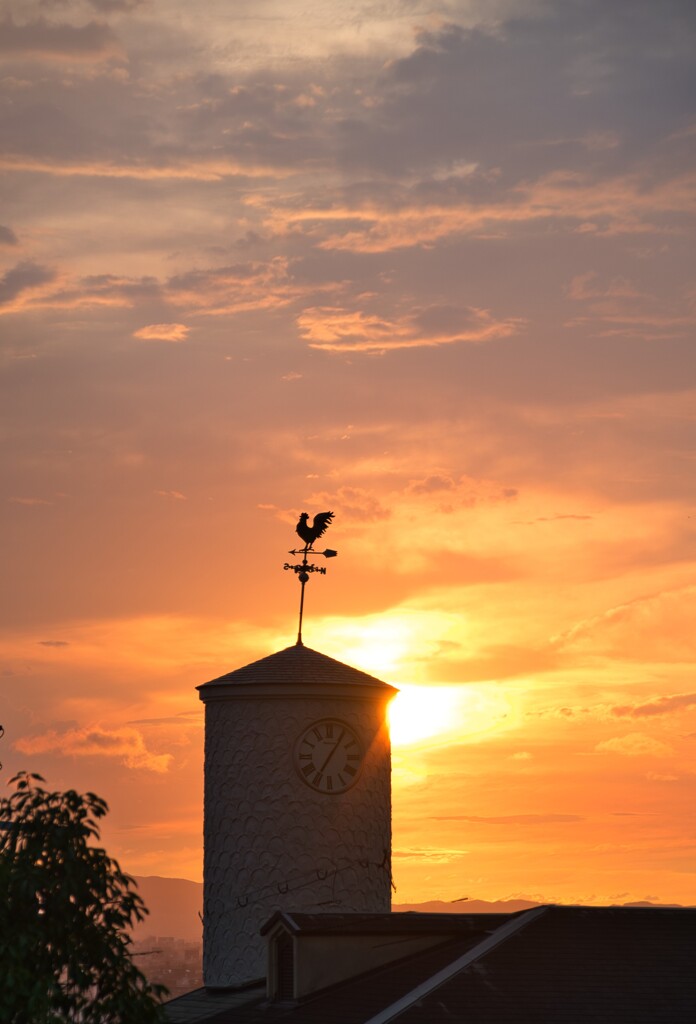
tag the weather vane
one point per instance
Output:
(302, 570)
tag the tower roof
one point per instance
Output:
(296, 666)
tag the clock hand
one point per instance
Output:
(332, 751)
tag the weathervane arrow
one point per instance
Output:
(305, 568)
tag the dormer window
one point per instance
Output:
(283, 968)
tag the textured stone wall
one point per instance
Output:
(271, 842)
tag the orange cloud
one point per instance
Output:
(619, 205)
(654, 628)
(355, 504)
(635, 744)
(510, 819)
(29, 501)
(124, 743)
(431, 854)
(659, 706)
(235, 288)
(336, 329)
(29, 286)
(196, 169)
(162, 332)
(213, 291)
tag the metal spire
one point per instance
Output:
(304, 568)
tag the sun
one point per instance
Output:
(419, 714)
(396, 645)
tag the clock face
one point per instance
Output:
(329, 756)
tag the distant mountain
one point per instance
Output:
(466, 907)
(175, 905)
(646, 903)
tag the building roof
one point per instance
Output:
(573, 964)
(293, 666)
(549, 965)
(409, 922)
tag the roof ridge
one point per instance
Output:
(463, 961)
(297, 663)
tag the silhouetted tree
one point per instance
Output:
(65, 912)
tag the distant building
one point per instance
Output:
(169, 961)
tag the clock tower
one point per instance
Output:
(297, 806)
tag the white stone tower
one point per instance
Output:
(297, 801)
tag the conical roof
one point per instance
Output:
(295, 666)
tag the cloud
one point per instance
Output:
(216, 291)
(235, 288)
(570, 200)
(29, 501)
(585, 286)
(115, 5)
(94, 290)
(434, 484)
(510, 819)
(658, 706)
(635, 744)
(53, 643)
(194, 718)
(7, 236)
(536, 83)
(653, 628)
(44, 39)
(463, 492)
(621, 307)
(501, 661)
(338, 329)
(168, 168)
(431, 854)
(124, 743)
(551, 519)
(355, 504)
(23, 277)
(177, 495)
(162, 332)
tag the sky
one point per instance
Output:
(428, 265)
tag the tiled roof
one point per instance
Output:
(298, 665)
(401, 923)
(556, 965)
(618, 965)
(353, 1002)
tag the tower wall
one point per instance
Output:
(271, 841)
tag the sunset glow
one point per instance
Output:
(429, 266)
(419, 714)
(444, 714)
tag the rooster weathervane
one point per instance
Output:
(307, 533)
